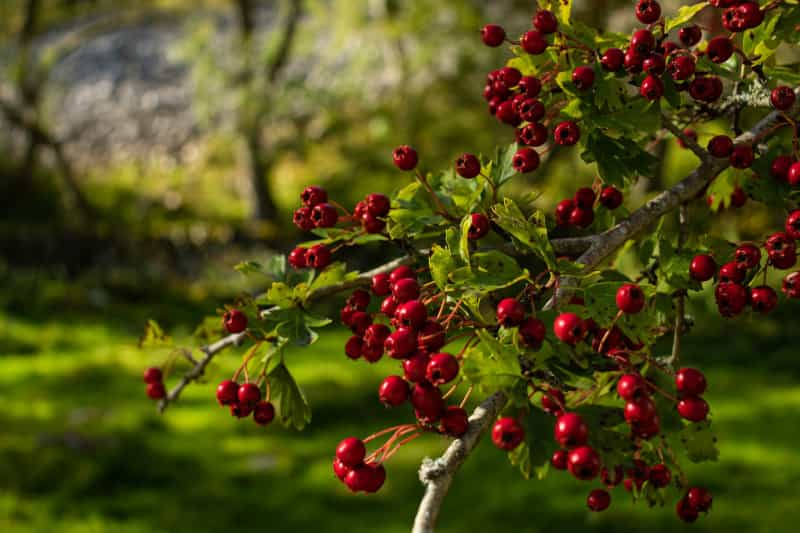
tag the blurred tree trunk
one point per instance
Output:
(261, 156)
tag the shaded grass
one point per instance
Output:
(83, 450)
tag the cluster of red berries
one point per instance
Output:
(732, 294)
(350, 467)
(786, 169)
(316, 212)
(245, 400)
(154, 379)
(578, 211)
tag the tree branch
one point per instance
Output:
(281, 57)
(437, 474)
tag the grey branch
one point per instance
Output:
(437, 474)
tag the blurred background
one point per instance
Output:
(146, 147)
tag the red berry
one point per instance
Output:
(793, 175)
(608, 481)
(509, 76)
(359, 300)
(534, 134)
(720, 146)
(611, 198)
(598, 500)
(430, 336)
(702, 268)
(783, 261)
(545, 21)
(302, 219)
(763, 299)
(681, 67)
(371, 223)
(569, 328)
(648, 11)
(559, 459)
(401, 343)
(654, 64)
(371, 353)
(351, 452)
(719, 49)
(792, 225)
(584, 197)
(643, 42)
(249, 394)
(612, 59)
(564, 211)
(479, 227)
(552, 400)
(567, 133)
(525, 160)
(378, 204)
(731, 272)
(153, 375)
(668, 47)
(359, 322)
(685, 511)
(263, 413)
(690, 381)
(791, 285)
(402, 272)
(581, 217)
(531, 110)
(468, 166)
(393, 391)
(633, 61)
(747, 256)
(532, 332)
(314, 195)
(660, 476)
(693, 408)
(531, 86)
(507, 433)
(631, 386)
(340, 469)
(156, 390)
(415, 367)
(297, 258)
(782, 98)
(493, 35)
(738, 198)
(780, 168)
(742, 156)
(428, 402)
(405, 289)
(357, 479)
(454, 421)
(731, 298)
(533, 42)
(376, 334)
(506, 113)
(241, 410)
(705, 88)
(699, 498)
(375, 474)
(570, 430)
(381, 285)
(584, 463)
(510, 312)
(630, 299)
(583, 77)
(690, 35)
(389, 306)
(690, 134)
(227, 392)
(234, 321)
(442, 368)
(353, 347)
(318, 256)
(411, 314)
(641, 410)
(780, 243)
(405, 157)
(324, 215)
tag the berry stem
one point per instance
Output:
(608, 331)
(442, 210)
(467, 394)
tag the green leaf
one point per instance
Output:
(463, 241)
(501, 169)
(600, 299)
(531, 231)
(491, 271)
(676, 270)
(533, 454)
(491, 365)
(155, 337)
(250, 267)
(293, 408)
(684, 15)
(279, 294)
(721, 189)
(332, 275)
(441, 263)
(617, 159)
(700, 442)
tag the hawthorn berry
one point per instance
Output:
(633, 61)
(567, 133)
(376, 334)
(324, 215)
(389, 306)
(378, 204)
(531, 86)
(690, 134)
(654, 64)
(792, 224)
(552, 402)
(690, 35)
(731, 298)
(479, 226)
(405, 289)
(564, 211)
(630, 299)
(249, 394)
(359, 300)
(720, 146)
(611, 198)
(359, 322)
(693, 408)
(742, 156)
(690, 381)
(685, 511)
(666, 48)
(493, 35)
(780, 243)
(612, 59)
(532, 332)
(156, 390)
(598, 500)
(234, 321)
(357, 478)
(510, 312)
(611, 482)
(302, 219)
(584, 197)
(371, 353)
(640, 410)
(660, 476)
(153, 375)
(747, 256)
(351, 452)
(263, 413)
(375, 477)
(559, 459)
(340, 469)
(731, 272)
(468, 166)
(699, 498)
(584, 463)
(455, 421)
(652, 88)
(416, 366)
(702, 268)
(240, 410)
(581, 217)
(507, 114)
(545, 21)
(380, 285)
(738, 198)
(428, 402)
(393, 391)
(631, 386)
(705, 88)
(442, 368)
(791, 285)
(525, 160)
(353, 347)
(533, 42)
(431, 336)
(507, 433)
(509, 76)
(681, 67)
(583, 77)
(569, 328)
(227, 392)
(297, 258)
(531, 110)
(411, 314)
(782, 98)
(648, 11)
(402, 272)
(400, 343)
(719, 49)
(643, 42)
(570, 430)
(534, 134)
(405, 157)
(313, 196)
(763, 299)
(371, 223)
(783, 261)
(318, 256)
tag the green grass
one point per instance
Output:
(83, 450)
